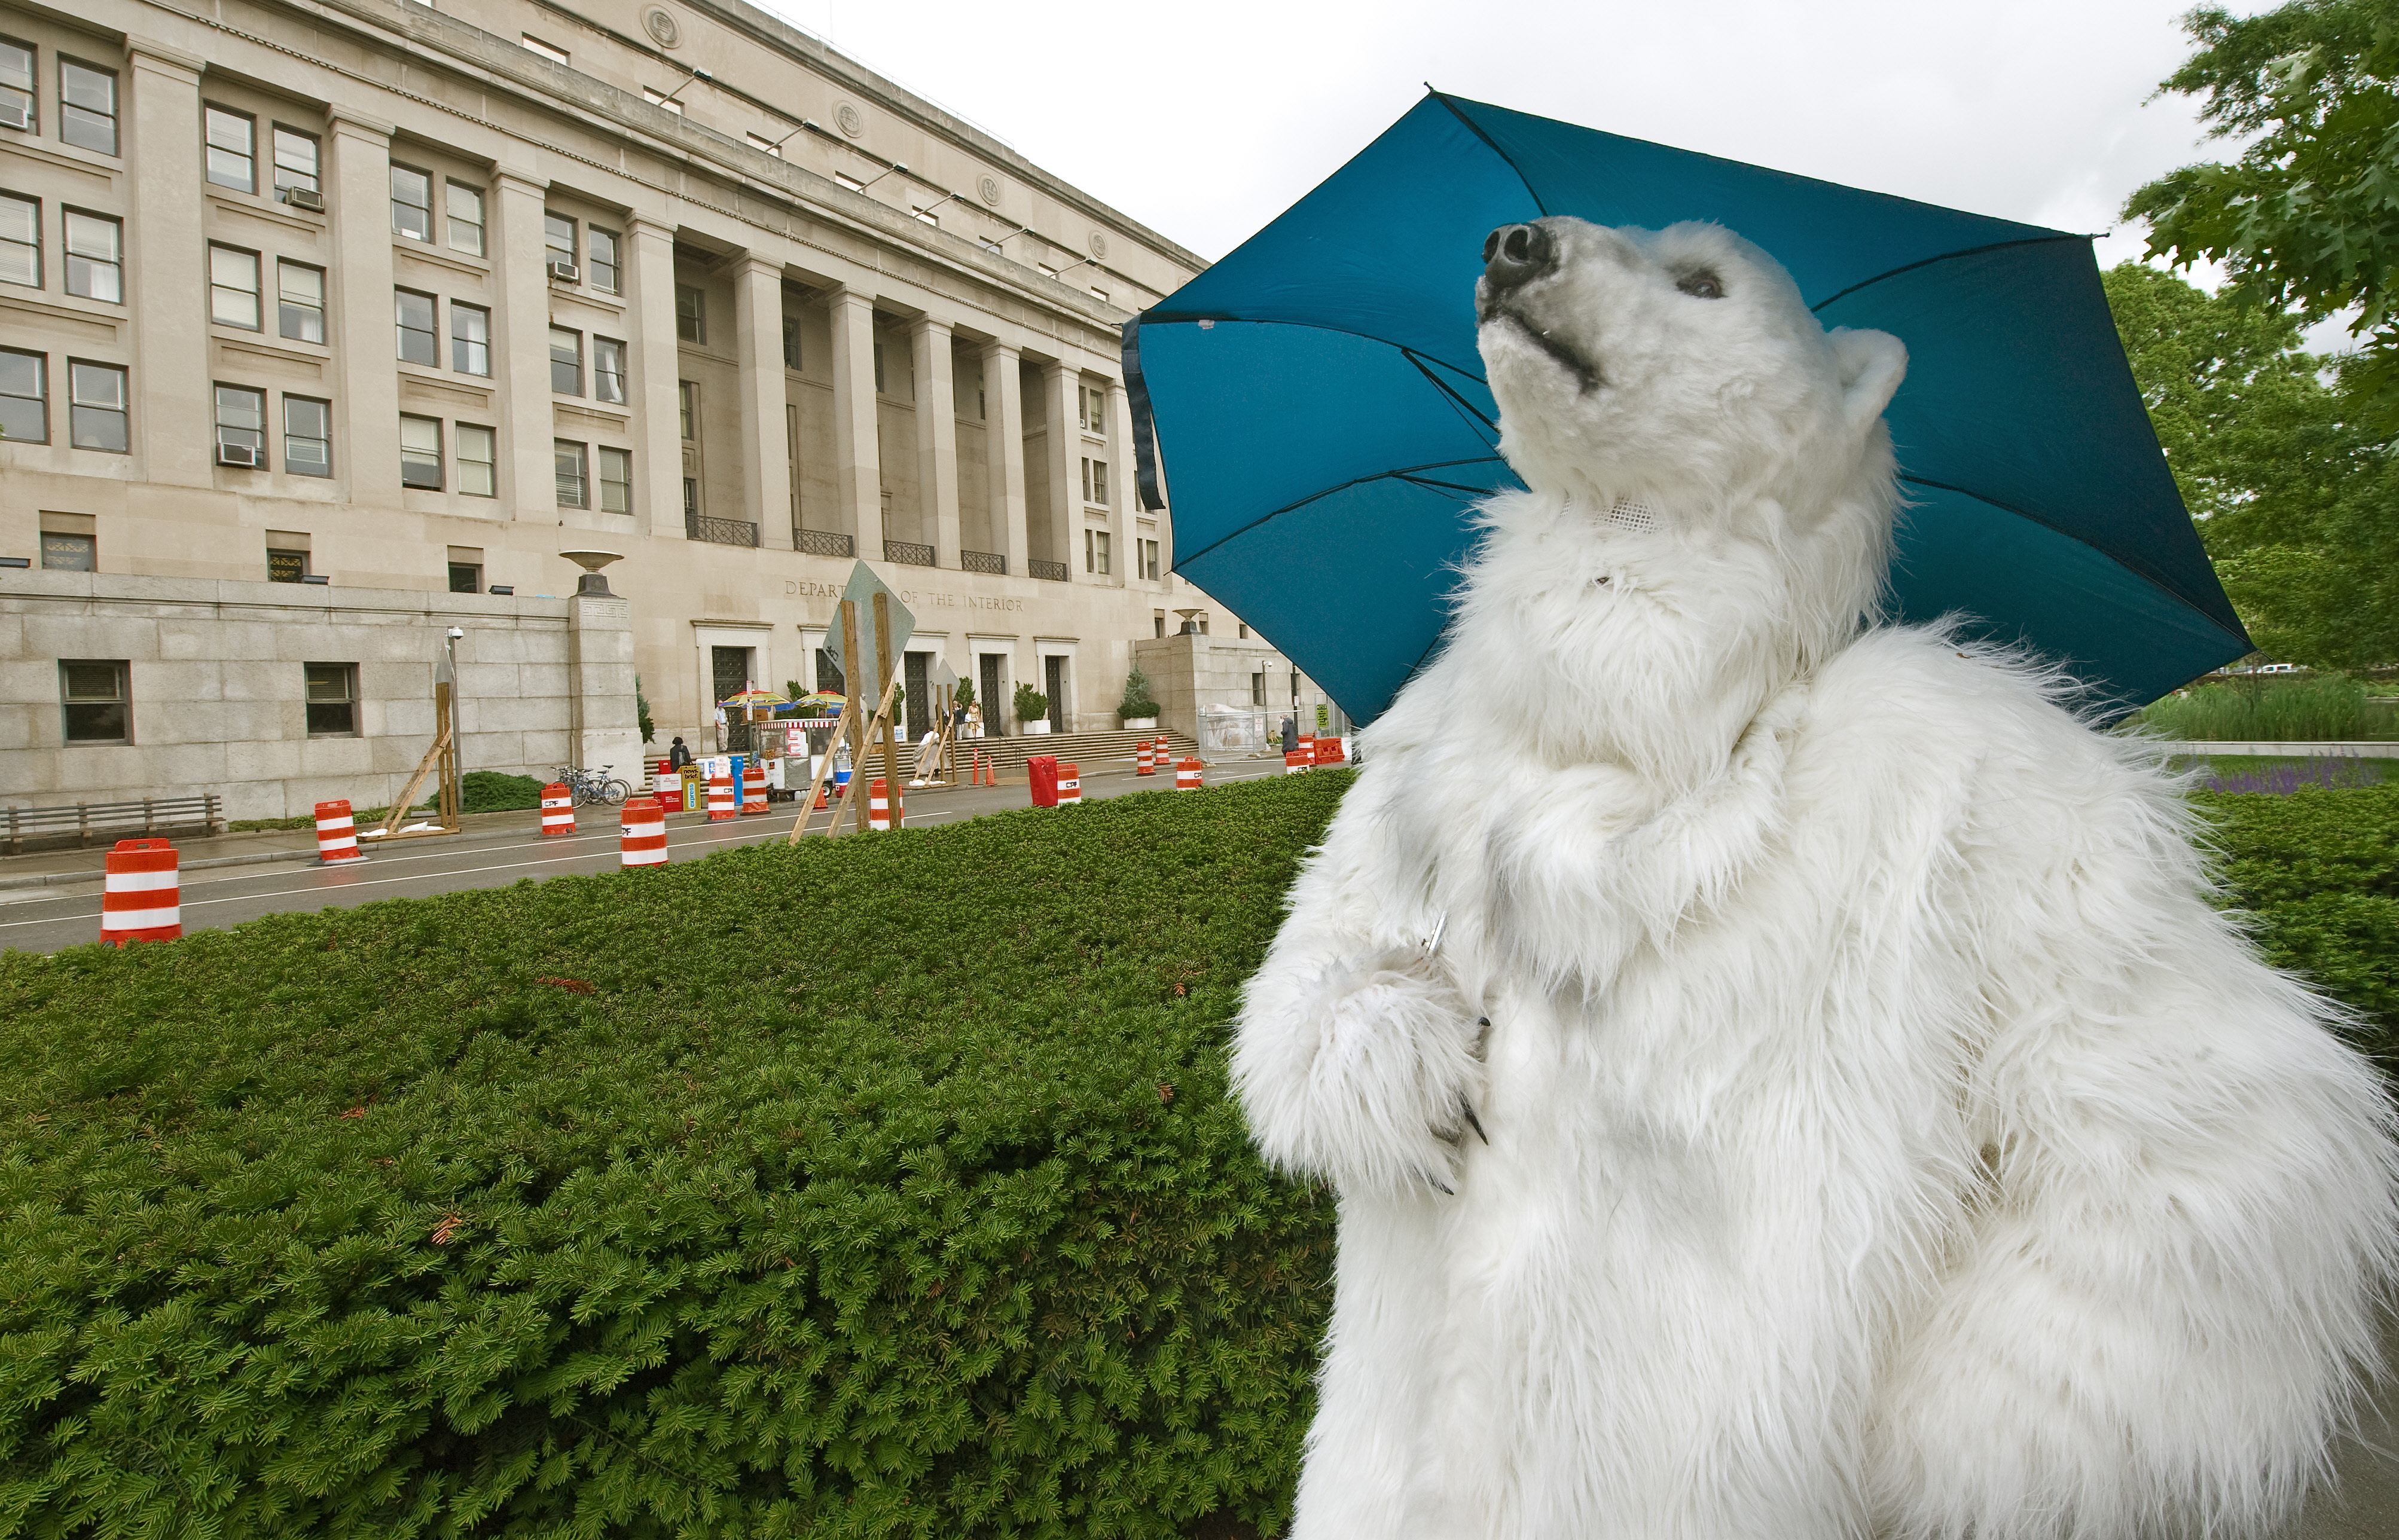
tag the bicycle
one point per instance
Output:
(595, 786)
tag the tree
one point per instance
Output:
(2308, 218)
(2295, 499)
(1137, 703)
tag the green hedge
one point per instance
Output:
(879, 1188)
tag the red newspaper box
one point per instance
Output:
(1042, 770)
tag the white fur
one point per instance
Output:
(1886, 1137)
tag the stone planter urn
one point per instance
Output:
(1037, 726)
(1140, 724)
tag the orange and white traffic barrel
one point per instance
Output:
(720, 799)
(143, 901)
(644, 828)
(1145, 763)
(1187, 774)
(753, 790)
(882, 810)
(337, 834)
(557, 810)
(1070, 785)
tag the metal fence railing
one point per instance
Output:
(1055, 571)
(982, 562)
(907, 553)
(822, 543)
(720, 532)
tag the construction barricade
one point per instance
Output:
(557, 811)
(884, 808)
(753, 790)
(1144, 762)
(1295, 761)
(1332, 751)
(1042, 775)
(142, 899)
(337, 834)
(645, 831)
(1187, 774)
(720, 806)
(1070, 785)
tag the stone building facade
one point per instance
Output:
(360, 313)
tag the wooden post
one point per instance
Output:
(882, 674)
(445, 703)
(851, 667)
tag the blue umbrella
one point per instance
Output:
(1318, 404)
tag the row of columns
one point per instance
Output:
(168, 292)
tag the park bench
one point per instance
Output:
(84, 820)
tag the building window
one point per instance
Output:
(24, 398)
(95, 255)
(477, 459)
(607, 273)
(1095, 551)
(300, 301)
(616, 481)
(466, 210)
(573, 489)
(233, 150)
(690, 498)
(17, 86)
(20, 241)
(96, 407)
(792, 342)
(88, 106)
(1258, 689)
(465, 577)
(307, 435)
(333, 699)
(297, 162)
(470, 339)
(411, 204)
(691, 316)
(241, 426)
(1101, 295)
(1144, 558)
(96, 699)
(1095, 480)
(1245, 632)
(607, 369)
(286, 566)
(536, 45)
(233, 288)
(657, 98)
(878, 366)
(65, 552)
(420, 452)
(566, 361)
(687, 407)
(558, 239)
(418, 342)
(766, 146)
(1094, 410)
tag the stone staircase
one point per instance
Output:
(1093, 753)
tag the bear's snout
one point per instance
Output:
(1514, 255)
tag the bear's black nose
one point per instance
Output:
(1516, 254)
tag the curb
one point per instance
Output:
(64, 879)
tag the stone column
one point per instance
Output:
(1004, 450)
(1123, 500)
(600, 685)
(858, 465)
(359, 323)
(657, 365)
(528, 470)
(165, 278)
(1066, 439)
(937, 439)
(765, 461)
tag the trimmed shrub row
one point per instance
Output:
(885, 1187)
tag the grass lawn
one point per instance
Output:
(881, 1187)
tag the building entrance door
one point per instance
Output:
(919, 685)
(1053, 673)
(730, 675)
(995, 709)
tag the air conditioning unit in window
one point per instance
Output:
(238, 455)
(566, 272)
(305, 197)
(16, 114)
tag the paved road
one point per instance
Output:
(504, 850)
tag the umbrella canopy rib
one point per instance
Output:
(1947, 256)
(1409, 474)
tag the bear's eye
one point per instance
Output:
(1702, 286)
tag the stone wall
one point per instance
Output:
(218, 689)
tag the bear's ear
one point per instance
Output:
(1872, 364)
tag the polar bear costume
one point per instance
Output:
(1782, 1074)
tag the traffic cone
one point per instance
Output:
(557, 811)
(141, 897)
(1186, 775)
(644, 833)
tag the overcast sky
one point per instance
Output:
(1206, 121)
